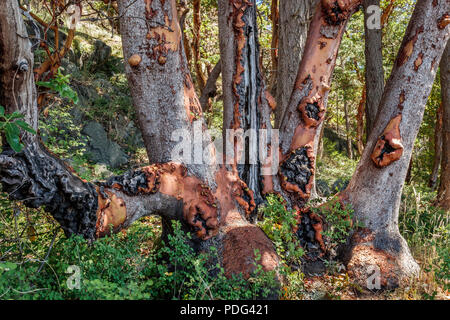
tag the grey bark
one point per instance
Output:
(295, 17)
(210, 88)
(374, 74)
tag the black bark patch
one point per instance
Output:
(297, 168)
(312, 111)
(336, 16)
(39, 180)
(131, 183)
(306, 235)
(387, 148)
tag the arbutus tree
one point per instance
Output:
(216, 196)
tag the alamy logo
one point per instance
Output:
(74, 281)
(373, 17)
(245, 147)
(74, 16)
(374, 279)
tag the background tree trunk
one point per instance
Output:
(294, 20)
(374, 72)
(275, 17)
(347, 131)
(438, 135)
(444, 187)
(201, 78)
(376, 187)
(210, 89)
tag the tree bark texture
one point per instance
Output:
(374, 72)
(294, 20)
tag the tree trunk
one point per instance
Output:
(376, 187)
(347, 131)
(275, 17)
(201, 78)
(444, 187)
(438, 135)
(304, 115)
(360, 122)
(294, 19)
(374, 73)
(210, 89)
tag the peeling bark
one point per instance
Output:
(306, 110)
(375, 192)
(389, 147)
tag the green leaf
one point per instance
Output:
(25, 126)
(15, 115)
(2, 111)
(13, 140)
(6, 266)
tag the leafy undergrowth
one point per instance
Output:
(38, 262)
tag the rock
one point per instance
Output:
(322, 188)
(87, 94)
(339, 140)
(102, 171)
(133, 136)
(101, 149)
(339, 185)
(99, 57)
(313, 268)
(69, 67)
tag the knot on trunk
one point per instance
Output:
(389, 147)
(337, 11)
